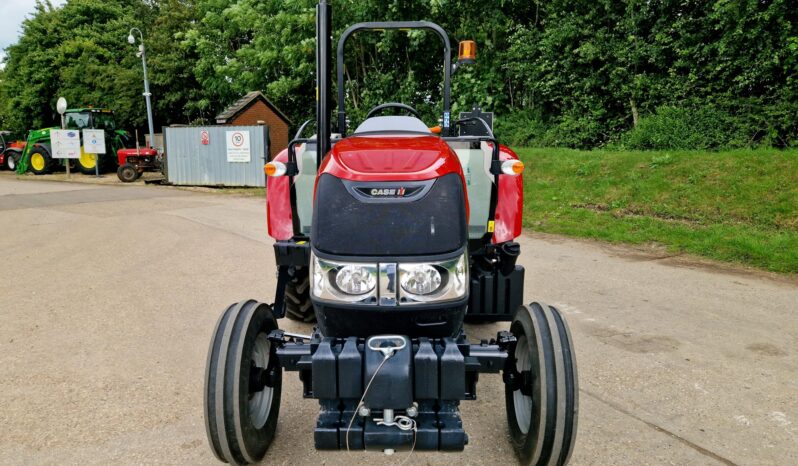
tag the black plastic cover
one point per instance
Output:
(434, 223)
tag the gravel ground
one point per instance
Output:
(110, 294)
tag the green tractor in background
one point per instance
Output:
(37, 155)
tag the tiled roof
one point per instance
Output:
(243, 103)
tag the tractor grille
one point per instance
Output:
(433, 223)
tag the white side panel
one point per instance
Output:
(304, 182)
(478, 184)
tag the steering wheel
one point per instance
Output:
(381, 107)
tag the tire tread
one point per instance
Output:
(297, 297)
(223, 376)
(553, 363)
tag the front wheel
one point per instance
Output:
(541, 387)
(127, 173)
(40, 161)
(243, 383)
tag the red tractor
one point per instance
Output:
(10, 151)
(391, 236)
(134, 162)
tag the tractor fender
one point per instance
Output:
(278, 203)
(510, 203)
(46, 145)
(123, 154)
(12, 151)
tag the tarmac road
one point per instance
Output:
(109, 295)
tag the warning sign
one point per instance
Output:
(238, 146)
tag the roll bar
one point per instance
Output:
(381, 26)
(323, 88)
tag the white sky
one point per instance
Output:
(13, 12)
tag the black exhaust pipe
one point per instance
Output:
(508, 255)
(323, 78)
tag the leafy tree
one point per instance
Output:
(245, 45)
(177, 93)
(562, 72)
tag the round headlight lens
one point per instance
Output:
(355, 280)
(421, 279)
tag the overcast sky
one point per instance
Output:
(12, 13)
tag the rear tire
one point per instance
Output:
(10, 161)
(542, 422)
(240, 410)
(297, 296)
(86, 162)
(127, 173)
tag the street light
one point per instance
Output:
(131, 39)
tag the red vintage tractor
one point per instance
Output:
(134, 162)
(391, 236)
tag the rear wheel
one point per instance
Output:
(10, 160)
(86, 163)
(243, 383)
(127, 173)
(40, 161)
(541, 389)
(297, 296)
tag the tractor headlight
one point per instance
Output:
(414, 283)
(420, 279)
(355, 280)
(433, 281)
(339, 281)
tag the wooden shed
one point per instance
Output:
(255, 107)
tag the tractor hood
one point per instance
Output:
(409, 189)
(391, 158)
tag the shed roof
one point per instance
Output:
(245, 102)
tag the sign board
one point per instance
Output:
(205, 137)
(94, 141)
(66, 143)
(238, 146)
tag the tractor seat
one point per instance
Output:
(392, 123)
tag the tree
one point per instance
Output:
(78, 52)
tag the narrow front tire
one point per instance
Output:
(541, 387)
(243, 383)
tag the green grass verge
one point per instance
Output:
(736, 206)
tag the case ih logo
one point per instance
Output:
(389, 192)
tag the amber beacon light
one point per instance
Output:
(467, 52)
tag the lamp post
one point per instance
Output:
(132, 41)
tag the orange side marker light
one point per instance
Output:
(274, 169)
(512, 167)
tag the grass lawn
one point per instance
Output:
(736, 206)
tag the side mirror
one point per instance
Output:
(466, 55)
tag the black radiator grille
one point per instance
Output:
(432, 224)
